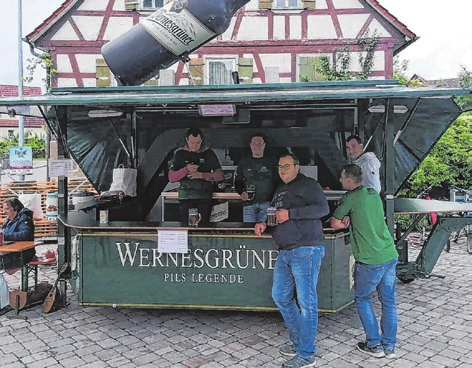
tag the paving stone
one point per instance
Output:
(435, 331)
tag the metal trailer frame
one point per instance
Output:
(402, 125)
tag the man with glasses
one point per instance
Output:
(255, 181)
(300, 204)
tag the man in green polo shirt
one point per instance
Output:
(361, 210)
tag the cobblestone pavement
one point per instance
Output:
(435, 331)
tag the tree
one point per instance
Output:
(37, 144)
(339, 71)
(45, 62)
(399, 70)
(465, 77)
(449, 162)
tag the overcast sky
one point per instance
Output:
(445, 42)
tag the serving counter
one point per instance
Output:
(224, 266)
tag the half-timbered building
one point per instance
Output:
(267, 41)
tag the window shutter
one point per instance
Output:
(131, 4)
(103, 73)
(245, 70)
(151, 82)
(265, 4)
(196, 72)
(307, 69)
(309, 4)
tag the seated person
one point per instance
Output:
(18, 226)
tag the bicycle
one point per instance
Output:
(458, 194)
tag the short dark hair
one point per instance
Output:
(257, 135)
(296, 161)
(356, 137)
(194, 132)
(354, 172)
(14, 203)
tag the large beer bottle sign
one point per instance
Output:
(175, 28)
(166, 36)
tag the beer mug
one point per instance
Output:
(271, 218)
(193, 217)
(251, 191)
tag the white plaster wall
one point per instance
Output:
(347, 4)
(89, 26)
(320, 27)
(117, 26)
(228, 33)
(379, 61)
(87, 62)
(321, 4)
(119, 5)
(65, 33)
(283, 61)
(279, 27)
(295, 27)
(252, 5)
(375, 26)
(253, 28)
(89, 82)
(351, 24)
(96, 4)
(63, 64)
(66, 82)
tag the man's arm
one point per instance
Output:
(340, 224)
(317, 205)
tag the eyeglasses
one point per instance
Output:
(286, 166)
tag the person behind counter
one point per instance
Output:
(300, 204)
(255, 172)
(367, 161)
(196, 167)
(373, 248)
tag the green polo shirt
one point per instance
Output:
(371, 240)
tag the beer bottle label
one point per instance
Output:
(176, 29)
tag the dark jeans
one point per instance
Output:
(17, 259)
(204, 209)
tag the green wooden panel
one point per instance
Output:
(309, 4)
(131, 4)
(103, 73)
(220, 272)
(245, 70)
(307, 69)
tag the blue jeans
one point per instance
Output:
(297, 271)
(256, 212)
(382, 277)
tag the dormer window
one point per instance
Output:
(152, 4)
(288, 4)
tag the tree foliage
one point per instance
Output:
(465, 77)
(38, 145)
(44, 61)
(339, 71)
(449, 162)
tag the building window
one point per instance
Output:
(288, 4)
(152, 4)
(219, 71)
(11, 133)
